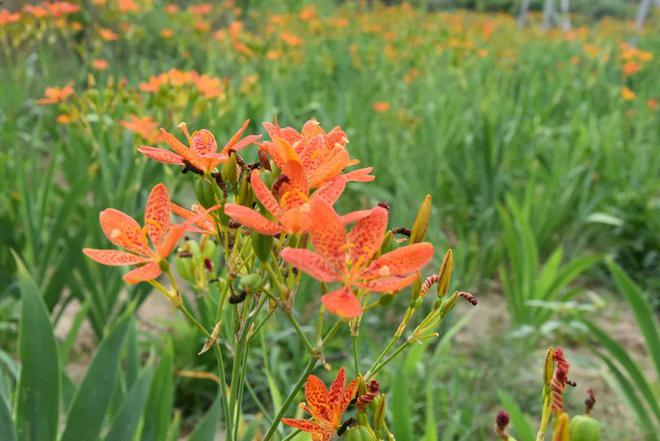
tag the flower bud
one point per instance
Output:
(359, 433)
(205, 193)
(245, 193)
(262, 245)
(250, 283)
(548, 367)
(445, 273)
(449, 304)
(229, 172)
(422, 221)
(561, 428)
(379, 413)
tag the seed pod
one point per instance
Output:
(262, 245)
(422, 221)
(250, 283)
(205, 193)
(584, 428)
(444, 275)
(185, 268)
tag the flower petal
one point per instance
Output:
(336, 162)
(176, 145)
(264, 195)
(331, 190)
(388, 284)
(203, 142)
(122, 230)
(337, 387)
(328, 234)
(114, 257)
(359, 175)
(160, 155)
(310, 262)
(252, 219)
(142, 274)
(316, 396)
(401, 261)
(366, 237)
(157, 214)
(343, 303)
(354, 216)
(304, 425)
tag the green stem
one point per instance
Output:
(374, 369)
(301, 333)
(223, 389)
(355, 355)
(195, 322)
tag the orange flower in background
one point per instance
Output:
(627, 94)
(347, 258)
(36, 11)
(53, 95)
(323, 155)
(171, 9)
(128, 6)
(652, 103)
(292, 209)
(326, 406)
(167, 33)
(100, 64)
(208, 86)
(146, 127)
(108, 34)
(381, 106)
(123, 231)
(630, 68)
(63, 119)
(290, 39)
(7, 17)
(202, 153)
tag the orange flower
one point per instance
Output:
(123, 231)
(627, 94)
(63, 119)
(146, 127)
(630, 68)
(652, 103)
(322, 155)
(292, 210)
(100, 64)
(128, 6)
(108, 35)
(290, 39)
(7, 17)
(347, 258)
(171, 9)
(208, 86)
(54, 95)
(381, 106)
(167, 33)
(326, 407)
(202, 153)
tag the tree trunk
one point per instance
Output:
(522, 14)
(565, 17)
(549, 18)
(642, 12)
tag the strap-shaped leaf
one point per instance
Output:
(205, 430)
(37, 403)
(126, 423)
(92, 399)
(6, 424)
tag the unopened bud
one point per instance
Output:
(421, 225)
(229, 171)
(445, 273)
(449, 304)
(548, 367)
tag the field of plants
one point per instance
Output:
(296, 220)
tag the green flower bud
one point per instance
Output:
(229, 171)
(359, 433)
(445, 273)
(422, 221)
(262, 245)
(379, 412)
(250, 283)
(205, 192)
(449, 304)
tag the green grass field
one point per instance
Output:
(540, 150)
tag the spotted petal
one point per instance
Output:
(305, 425)
(122, 230)
(367, 236)
(342, 302)
(149, 271)
(310, 262)
(114, 257)
(252, 219)
(157, 214)
(160, 155)
(401, 261)
(328, 234)
(388, 284)
(264, 195)
(316, 396)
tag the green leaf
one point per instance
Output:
(643, 313)
(37, 403)
(519, 420)
(92, 399)
(159, 407)
(6, 423)
(126, 423)
(205, 430)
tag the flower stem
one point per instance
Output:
(301, 333)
